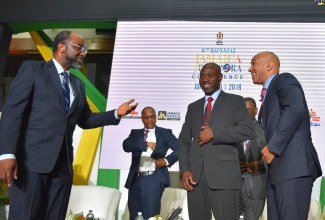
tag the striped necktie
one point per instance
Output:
(145, 136)
(66, 90)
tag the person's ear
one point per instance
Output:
(269, 65)
(61, 47)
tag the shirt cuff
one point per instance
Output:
(7, 156)
(166, 162)
(116, 116)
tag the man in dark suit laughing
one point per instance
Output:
(289, 151)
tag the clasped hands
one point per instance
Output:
(250, 167)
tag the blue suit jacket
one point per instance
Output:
(164, 140)
(34, 122)
(287, 130)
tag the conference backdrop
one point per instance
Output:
(158, 64)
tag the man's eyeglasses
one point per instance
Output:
(81, 48)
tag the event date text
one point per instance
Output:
(224, 86)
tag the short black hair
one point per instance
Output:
(60, 37)
(214, 65)
(148, 107)
(249, 99)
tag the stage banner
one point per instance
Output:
(158, 64)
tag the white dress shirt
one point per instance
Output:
(146, 162)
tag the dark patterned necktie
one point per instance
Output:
(145, 136)
(208, 110)
(66, 90)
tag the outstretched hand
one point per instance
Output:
(126, 108)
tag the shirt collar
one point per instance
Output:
(214, 95)
(150, 130)
(59, 68)
(268, 81)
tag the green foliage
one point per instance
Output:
(4, 197)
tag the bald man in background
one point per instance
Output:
(292, 160)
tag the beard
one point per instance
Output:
(209, 91)
(72, 62)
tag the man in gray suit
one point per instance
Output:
(44, 105)
(208, 155)
(253, 191)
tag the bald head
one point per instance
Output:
(271, 57)
(263, 66)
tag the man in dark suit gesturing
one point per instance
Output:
(208, 155)
(253, 170)
(148, 174)
(289, 151)
(44, 105)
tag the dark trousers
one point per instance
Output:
(42, 196)
(145, 196)
(251, 208)
(289, 199)
(203, 199)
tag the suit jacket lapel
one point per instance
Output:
(157, 133)
(200, 107)
(267, 97)
(74, 86)
(271, 86)
(57, 82)
(217, 103)
(157, 153)
(262, 108)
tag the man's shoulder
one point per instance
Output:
(197, 102)
(35, 62)
(283, 79)
(163, 129)
(286, 75)
(136, 129)
(231, 96)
